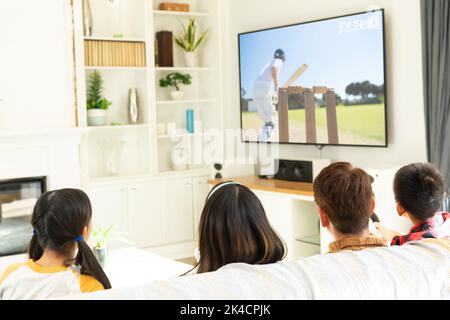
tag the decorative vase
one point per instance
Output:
(177, 95)
(190, 121)
(180, 158)
(96, 117)
(112, 155)
(133, 106)
(191, 59)
(101, 253)
(87, 19)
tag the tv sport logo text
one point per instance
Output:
(373, 22)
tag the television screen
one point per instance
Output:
(320, 82)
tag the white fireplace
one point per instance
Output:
(30, 164)
(54, 154)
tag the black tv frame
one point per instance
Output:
(321, 145)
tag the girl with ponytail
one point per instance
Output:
(61, 262)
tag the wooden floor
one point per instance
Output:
(190, 260)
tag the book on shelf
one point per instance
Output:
(86, 55)
(131, 60)
(144, 54)
(105, 53)
(165, 48)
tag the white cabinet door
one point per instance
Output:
(178, 218)
(109, 207)
(201, 189)
(145, 210)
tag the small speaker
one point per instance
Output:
(292, 170)
(224, 170)
(300, 170)
(218, 171)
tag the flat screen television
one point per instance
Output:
(320, 82)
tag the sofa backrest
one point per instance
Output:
(419, 270)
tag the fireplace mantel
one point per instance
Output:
(52, 153)
(43, 133)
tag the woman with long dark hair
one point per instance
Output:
(234, 228)
(61, 262)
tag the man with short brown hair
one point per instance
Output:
(345, 202)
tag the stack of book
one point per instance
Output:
(106, 53)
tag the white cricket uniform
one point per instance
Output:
(262, 90)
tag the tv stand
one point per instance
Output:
(291, 211)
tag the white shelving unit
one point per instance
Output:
(145, 152)
(204, 95)
(139, 198)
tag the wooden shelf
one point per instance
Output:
(183, 69)
(180, 13)
(271, 185)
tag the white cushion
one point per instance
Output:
(418, 270)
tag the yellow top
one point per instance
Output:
(20, 277)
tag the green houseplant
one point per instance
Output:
(175, 80)
(189, 42)
(96, 104)
(102, 237)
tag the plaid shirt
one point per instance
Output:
(437, 227)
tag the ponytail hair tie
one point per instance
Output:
(35, 232)
(79, 239)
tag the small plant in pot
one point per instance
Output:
(96, 104)
(102, 237)
(175, 80)
(190, 43)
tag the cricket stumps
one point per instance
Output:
(310, 113)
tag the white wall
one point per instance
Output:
(36, 82)
(406, 122)
(404, 72)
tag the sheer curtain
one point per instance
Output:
(436, 71)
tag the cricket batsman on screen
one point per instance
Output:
(262, 92)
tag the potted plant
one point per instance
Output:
(96, 104)
(190, 43)
(102, 237)
(175, 80)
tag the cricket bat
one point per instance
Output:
(296, 75)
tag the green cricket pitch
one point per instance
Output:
(358, 125)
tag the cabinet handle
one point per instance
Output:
(123, 189)
(133, 189)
